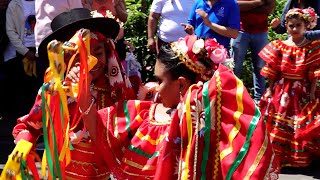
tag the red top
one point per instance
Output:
(253, 22)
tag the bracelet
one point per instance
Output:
(86, 112)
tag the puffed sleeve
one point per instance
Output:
(313, 60)
(272, 56)
(29, 127)
(116, 126)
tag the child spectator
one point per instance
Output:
(290, 102)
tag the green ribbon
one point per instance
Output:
(142, 153)
(206, 102)
(23, 167)
(45, 107)
(71, 147)
(126, 112)
(245, 147)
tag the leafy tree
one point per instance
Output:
(136, 34)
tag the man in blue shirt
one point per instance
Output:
(218, 19)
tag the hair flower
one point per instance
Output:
(198, 46)
(197, 54)
(211, 44)
(308, 14)
(218, 56)
(311, 17)
(183, 45)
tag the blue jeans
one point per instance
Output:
(256, 42)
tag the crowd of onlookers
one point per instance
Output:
(28, 23)
(244, 23)
(238, 25)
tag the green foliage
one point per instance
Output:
(136, 34)
(277, 14)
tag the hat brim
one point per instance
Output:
(107, 26)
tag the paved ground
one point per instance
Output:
(292, 174)
(311, 173)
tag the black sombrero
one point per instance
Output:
(66, 24)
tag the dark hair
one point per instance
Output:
(173, 64)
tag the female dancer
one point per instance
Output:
(202, 129)
(290, 102)
(108, 86)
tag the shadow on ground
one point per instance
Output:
(312, 171)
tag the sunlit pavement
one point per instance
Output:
(7, 145)
(294, 174)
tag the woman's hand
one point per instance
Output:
(188, 28)
(204, 16)
(275, 23)
(74, 74)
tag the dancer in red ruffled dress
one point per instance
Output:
(207, 126)
(291, 103)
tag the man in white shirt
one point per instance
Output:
(46, 10)
(172, 14)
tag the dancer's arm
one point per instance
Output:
(269, 92)
(313, 89)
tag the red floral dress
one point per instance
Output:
(289, 114)
(216, 132)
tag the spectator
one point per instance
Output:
(20, 22)
(116, 7)
(3, 35)
(170, 14)
(3, 45)
(290, 104)
(278, 25)
(118, 10)
(214, 19)
(46, 10)
(253, 34)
